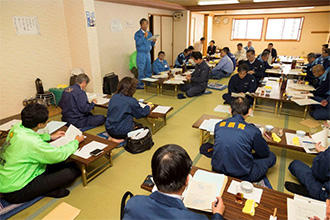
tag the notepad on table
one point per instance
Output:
(209, 125)
(149, 80)
(161, 109)
(70, 135)
(302, 208)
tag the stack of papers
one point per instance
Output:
(88, 148)
(209, 125)
(70, 135)
(234, 94)
(255, 194)
(7, 126)
(222, 108)
(161, 109)
(174, 82)
(303, 102)
(160, 76)
(149, 80)
(51, 127)
(99, 98)
(302, 87)
(203, 189)
(302, 208)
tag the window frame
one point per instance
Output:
(241, 39)
(299, 31)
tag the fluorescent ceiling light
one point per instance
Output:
(306, 7)
(218, 2)
(267, 0)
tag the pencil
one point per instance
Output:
(275, 210)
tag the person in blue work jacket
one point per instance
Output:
(231, 56)
(308, 68)
(249, 46)
(241, 83)
(315, 180)
(160, 64)
(322, 88)
(234, 141)
(325, 58)
(255, 66)
(143, 48)
(183, 58)
(224, 68)
(122, 108)
(321, 111)
(170, 166)
(264, 57)
(199, 78)
(76, 109)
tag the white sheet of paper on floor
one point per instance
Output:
(302, 209)
(7, 126)
(222, 108)
(161, 109)
(150, 79)
(70, 135)
(63, 211)
(203, 189)
(52, 126)
(255, 194)
(85, 151)
(133, 133)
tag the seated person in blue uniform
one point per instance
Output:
(212, 48)
(198, 79)
(241, 83)
(160, 64)
(231, 56)
(322, 111)
(182, 58)
(255, 66)
(191, 49)
(264, 57)
(273, 52)
(170, 166)
(234, 141)
(122, 108)
(315, 180)
(322, 88)
(312, 61)
(224, 68)
(325, 58)
(76, 109)
(249, 46)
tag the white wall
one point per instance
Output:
(199, 26)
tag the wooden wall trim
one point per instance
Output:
(149, 3)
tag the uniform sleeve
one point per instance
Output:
(260, 145)
(43, 152)
(253, 85)
(217, 216)
(220, 65)
(138, 111)
(168, 66)
(180, 59)
(260, 73)
(321, 165)
(231, 86)
(139, 39)
(82, 103)
(202, 76)
(155, 68)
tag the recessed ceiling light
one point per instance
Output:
(218, 2)
(306, 7)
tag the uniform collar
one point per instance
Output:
(314, 62)
(142, 30)
(253, 61)
(176, 196)
(77, 85)
(168, 200)
(238, 117)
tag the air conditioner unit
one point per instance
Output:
(177, 16)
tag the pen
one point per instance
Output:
(309, 142)
(216, 204)
(275, 210)
(267, 136)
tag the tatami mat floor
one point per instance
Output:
(101, 198)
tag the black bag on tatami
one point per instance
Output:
(136, 146)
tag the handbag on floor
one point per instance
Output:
(123, 203)
(139, 141)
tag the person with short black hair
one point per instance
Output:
(122, 108)
(183, 58)
(160, 64)
(30, 166)
(241, 83)
(308, 69)
(325, 46)
(199, 78)
(76, 109)
(224, 68)
(273, 52)
(143, 48)
(231, 56)
(233, 156)
(255, 66)
(249, 46)
(170, 166)
(212, 48)
(198, 45)
(240, 53)
(325, 58)
(264, 58)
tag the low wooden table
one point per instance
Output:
(152, 117)
(270, 200)
(159, 86)
(204, 135)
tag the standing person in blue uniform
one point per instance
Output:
(76, 109)
(183, 58)
(224, 68)
(212, 48)
(325, 58)
(170, 166)
(143, 48)
(249, 46)
(312, 61)
(273, 52)
(241, 83)
(255, 66)
(231, 56)
(315, 180)
(199, 78)
(160, 64)
(122, 108)
(234, 141)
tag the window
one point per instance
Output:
(284, 28)
(249, 29)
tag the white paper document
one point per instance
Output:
(142, 104)
(7, 126)
(302, 87)
(222, 108)
(149, 79)
(70, 135)
(153, 37)
(51, 127)
(303, 102)
(302, 209)
(85, 151)
(209, 125)
(174, 82)
(255, 194)
(133, 133)
(161, 109)
(321, 136)
(99, 98)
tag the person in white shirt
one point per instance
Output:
(240, 54)
(198, 45)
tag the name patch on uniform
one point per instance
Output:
(69, 89)
(232, 125)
